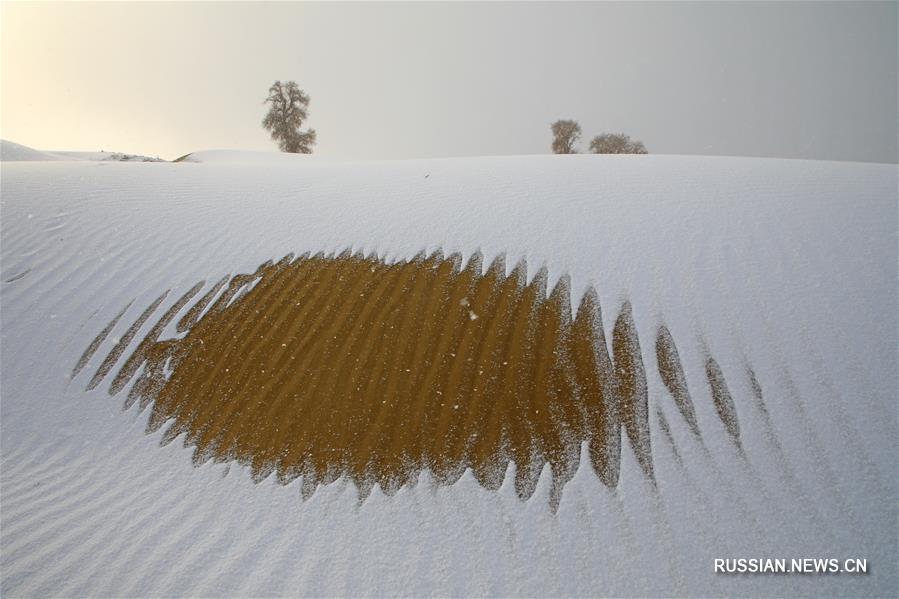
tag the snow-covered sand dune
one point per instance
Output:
(787, 268)
(13, 152)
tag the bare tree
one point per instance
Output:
(616, 143)
(565, 135)
(289, 106)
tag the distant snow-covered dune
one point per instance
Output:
(10, 151)
(13, 152)
(750, 305)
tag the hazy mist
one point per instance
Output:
(799, 80)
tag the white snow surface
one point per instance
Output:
(787, 266)
(13, 152)
(257, 158)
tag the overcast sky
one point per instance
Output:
(407, 80)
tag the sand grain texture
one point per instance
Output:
(349, 365)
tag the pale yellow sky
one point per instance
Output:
(807, 80)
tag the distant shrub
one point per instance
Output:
(616, 143)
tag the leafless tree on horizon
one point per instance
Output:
(566, 133)
(289, 108)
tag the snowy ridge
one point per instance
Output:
(787, 266)
(246, 158)
(10, 151)
(13, 152)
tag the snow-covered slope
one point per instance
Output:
(13, 152)
(247, 158)
(107, 156)
(784, 267)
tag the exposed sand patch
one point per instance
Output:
(724, 402)
(330, 366)
(672, 374)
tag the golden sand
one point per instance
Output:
(330, 366)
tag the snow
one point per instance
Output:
(11, 151)
(246, 158)
(787, 266)
(107, 156)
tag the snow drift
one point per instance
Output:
(772, 280)
(10, 152)
(13, 152)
